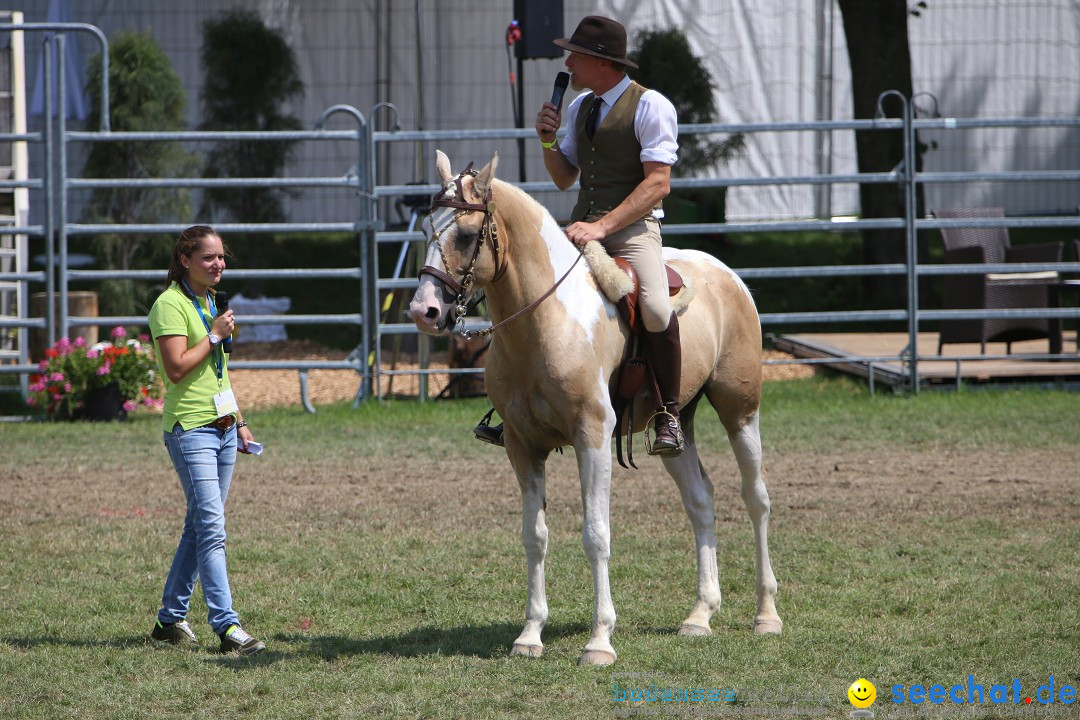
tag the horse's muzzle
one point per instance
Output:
(428, 311)
(428, 319)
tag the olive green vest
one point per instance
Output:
(610, 163)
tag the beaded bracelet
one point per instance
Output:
(242, 423)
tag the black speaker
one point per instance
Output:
(541, 22)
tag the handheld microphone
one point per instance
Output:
(562, 80)
(221, 300)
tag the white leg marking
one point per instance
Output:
(697, 495)
(746, 442)
(534, 536)
(594, 469)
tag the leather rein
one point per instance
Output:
(489, 230)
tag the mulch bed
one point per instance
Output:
(262, 388)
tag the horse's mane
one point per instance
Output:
(612, 281)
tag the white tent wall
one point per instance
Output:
(765, 62)
(771, 60)
(987, 59)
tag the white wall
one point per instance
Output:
(980, 58)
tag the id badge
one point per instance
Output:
(225, 403)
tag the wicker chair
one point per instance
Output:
(994, 290)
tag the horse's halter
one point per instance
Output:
(488, 230)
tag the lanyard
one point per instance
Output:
(217, 354)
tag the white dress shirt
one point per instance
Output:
(656, 125)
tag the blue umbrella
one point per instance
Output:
(75, 100)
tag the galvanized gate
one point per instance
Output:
(55, 186)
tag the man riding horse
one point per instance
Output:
(622, 144)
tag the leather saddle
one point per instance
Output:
(628, 304)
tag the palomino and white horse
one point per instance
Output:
(551, 368)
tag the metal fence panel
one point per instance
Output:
(373, 235)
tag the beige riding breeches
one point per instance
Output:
(640, 245)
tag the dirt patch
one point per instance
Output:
(841, 490)
(262, 388)
(883, 485)
(878, 486)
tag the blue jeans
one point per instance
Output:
(204, 459)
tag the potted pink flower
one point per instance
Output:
(100, 382)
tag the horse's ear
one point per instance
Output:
(485, 176)
(442, 166)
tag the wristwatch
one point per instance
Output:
(214, 340)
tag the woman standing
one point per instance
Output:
(202, 425)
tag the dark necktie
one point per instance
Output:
(594, 116)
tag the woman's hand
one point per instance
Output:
(179, 360)
(243, 436)
(224, 324)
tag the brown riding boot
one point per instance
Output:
(664, 354)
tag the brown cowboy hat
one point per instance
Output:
(600, 37)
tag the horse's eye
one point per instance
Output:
(464, 237)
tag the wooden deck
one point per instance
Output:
(960, 363)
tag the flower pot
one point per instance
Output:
(103, 404)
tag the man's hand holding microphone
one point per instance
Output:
(548, 120)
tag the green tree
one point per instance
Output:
(251, 73)
(145, 94)
(668, 65)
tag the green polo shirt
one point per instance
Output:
(189, 402)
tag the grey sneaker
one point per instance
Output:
(236, 640)
(175, 634)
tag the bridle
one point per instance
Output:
(489, 230)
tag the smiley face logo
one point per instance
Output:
(862, 693)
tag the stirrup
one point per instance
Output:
(665, 450)
(486, 432)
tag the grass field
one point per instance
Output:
(917, 540)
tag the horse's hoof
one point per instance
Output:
(769, 626)
(688, 630)
(597, 658)
(527, 650)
